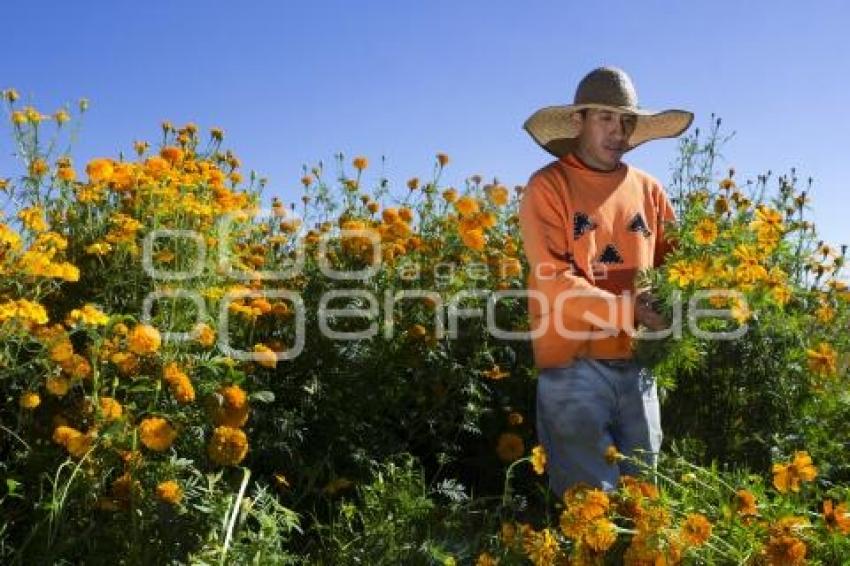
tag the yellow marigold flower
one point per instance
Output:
(824, 313)
(474, 239)
(450, 195)
(510, 447)
(169, 491)
(789, 476)
(741, 310)
(538, 459)
(266, 357)
(110, 408)
(33, 218)
(442, 159)
(38, 167)
(204, 335)
(61, 116)
(99, 170)
(836, 518)
(484, 559)
(58, 385)
(228, 446)
(33, 115)
(466, 205)
(360, 163)
(498, 195)
(143, 340)
(89, 315)
(706, 231)
(29, 400)
(541, 547)
(696, 530)
(19, 118)
(681, 273)
(99, 248)
(822, 360)
(11, 95)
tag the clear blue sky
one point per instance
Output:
(294, 82)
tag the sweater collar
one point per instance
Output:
(573, 160)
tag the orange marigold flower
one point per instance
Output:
(228, 446)
(466, 205)
(696, 529)
(143, 339)
(58, 385)
(786, 551)
(510, 447)
(171, 154)
(233, 409)
(450, 195)
(442, 159)
(156, 434)
(360, 163)
(179, 383)
(110, 408)
(169, 491)
(789, 476)
(745, 503)
(61, 351)
(836, 517)
(473, 239)
(600, 535)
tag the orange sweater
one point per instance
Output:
(586, 234)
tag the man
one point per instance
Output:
(589, 224)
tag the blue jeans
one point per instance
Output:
(589, 405)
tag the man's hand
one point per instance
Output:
(645, 313)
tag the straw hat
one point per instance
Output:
(608, 88)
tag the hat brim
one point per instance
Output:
(553, 130)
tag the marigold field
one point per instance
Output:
(194, 374)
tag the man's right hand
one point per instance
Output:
(645, 313)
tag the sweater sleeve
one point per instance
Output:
(544, 224)
(664, 244)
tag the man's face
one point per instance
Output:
(602, 137)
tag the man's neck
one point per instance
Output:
(577, 155)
